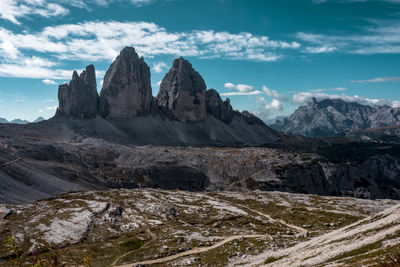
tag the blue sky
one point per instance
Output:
(267, 56)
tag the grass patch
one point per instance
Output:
(270, 260)
(358, 251)
(133, 244)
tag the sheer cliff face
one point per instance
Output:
(221, 110)
(79, 98)
(183, 92)
(182, 114)
(333, 116)
(126, 89)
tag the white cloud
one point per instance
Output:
(241, 89)
(12, 10)
(274, 105)
(379, 37)
(378, 80)
(256, 92)
(159, 67)
(326, 90)
(50, 108)
(320, 49)
(273, 93)
(35, 72)
(101, 41)
(49, 82)
(267, 110)
(304, 97)
(244, 88)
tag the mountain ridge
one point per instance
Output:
(331, 117)
(183, 113)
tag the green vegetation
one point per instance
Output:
(133, 244)
(270, 260)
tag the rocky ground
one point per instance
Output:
(33, 167)
(178, 228)
(390, 134)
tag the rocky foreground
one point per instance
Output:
(176, 228)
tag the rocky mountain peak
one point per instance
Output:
(127, 94)
(89, 76)
(79, 98)
(129, 52)
(183, 92)
(126, 91)
(218, 108)
(75, 75)
(330, 117)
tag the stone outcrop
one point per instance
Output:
(222, 110)
(127, 94)
(183, 92)
(126, 91)
(79, 98)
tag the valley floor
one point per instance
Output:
(177, 228)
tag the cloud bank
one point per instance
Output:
(101, 41)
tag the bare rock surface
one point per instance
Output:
(79, 98)
(183, 92)
(126, 89)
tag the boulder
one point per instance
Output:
(182, 92)
(126, 91)
(79, 98)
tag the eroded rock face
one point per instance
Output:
(250, 118)
(79, 98)
(126, 91)
(183, 92)
(221, 110)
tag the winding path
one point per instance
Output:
(193, 251)
(301, 230)
(297, 228)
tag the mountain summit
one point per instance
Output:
(183, 113)
(183, 92)
(126, 89)
(330, 117)
(79, 98)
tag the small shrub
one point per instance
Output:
(270, 260)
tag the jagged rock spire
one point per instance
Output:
(126, 88)
(221, 110)
(183, 92)
(79, 98)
